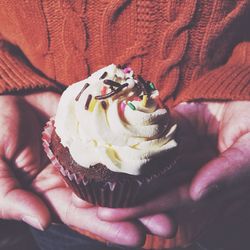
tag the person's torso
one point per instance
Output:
(168, 42)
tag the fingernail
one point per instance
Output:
(32, 221)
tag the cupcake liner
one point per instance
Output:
(109, 194)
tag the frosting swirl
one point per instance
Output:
(113, 119)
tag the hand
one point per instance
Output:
(228, 125)
(21, 158)
(224, 127)
(79, 214)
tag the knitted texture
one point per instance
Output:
(191, 50)
(16, 75)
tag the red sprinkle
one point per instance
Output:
(137, 98)
(121, 109)
(123, 105)
(127, 70)
(104, 90)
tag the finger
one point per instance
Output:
(163, 203)
(21, 143)
(122, 233)
(230, 166)
(18, 204)
(28, 162)
(160, 224)
(80, 203)
(48, 179)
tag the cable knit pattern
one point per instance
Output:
(187, 48)
(219, 75)
(66, 45)
(142, 26)
(192, 50)
(173, 47)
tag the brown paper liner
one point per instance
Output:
(125, 193)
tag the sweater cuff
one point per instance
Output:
(229, 82)
(15, 75)
(224, 84)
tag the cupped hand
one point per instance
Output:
(81, 215)
(21, 158)
(225, 128)
(228, 125)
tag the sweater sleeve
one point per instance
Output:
(16, 74)
(230, 81)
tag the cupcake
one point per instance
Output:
(112, 140)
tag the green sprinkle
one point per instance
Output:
(152, 86)
(131, 105)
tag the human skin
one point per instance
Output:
(222, 183)
(20, 161)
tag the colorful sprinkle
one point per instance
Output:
(112, 83)
(80, 93)
(123, 106)
(104, 105)
(121, 110)
(101, 97)
(137, 98)
(88, 102)
(103, 75)
(152, 86)
(92, 105)
(103, 90)
(131, 105)
(127, 70)
(144, 100)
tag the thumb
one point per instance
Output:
(231, 166)
(19, 204)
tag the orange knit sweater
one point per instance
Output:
(191, 49)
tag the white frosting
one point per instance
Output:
(119, 137)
